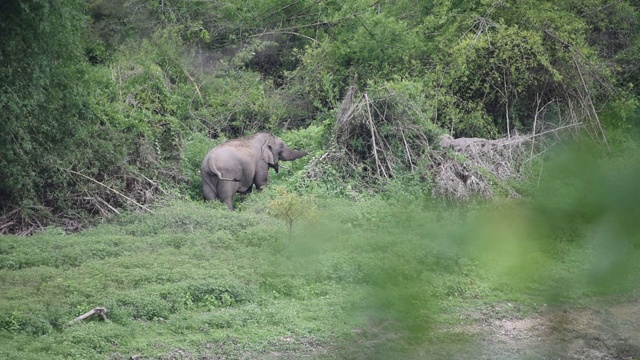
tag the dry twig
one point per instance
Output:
(110, 189)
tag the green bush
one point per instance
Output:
(186, 218)
(93, 339)
(145, 306)
(33, 323)
(45, 121)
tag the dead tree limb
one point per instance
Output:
(193, 81)
(588, 98)
(112, 190)
(99, 311)
(379, 166)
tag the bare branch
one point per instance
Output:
(99, 311)
(588, 98)
(194, 84)
(285, 32)
(110, 189)
(373, 137)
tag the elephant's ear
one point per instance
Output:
(267, 153)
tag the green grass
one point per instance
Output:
(368, 279)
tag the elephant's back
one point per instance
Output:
(226, 159)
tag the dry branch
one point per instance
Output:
(110, 189)
(588, 99)
(99, 311)
(373, 137)
(286, 32)
(376, 137)
(477, 163)
(193, 81)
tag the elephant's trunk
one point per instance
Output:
(289, 155)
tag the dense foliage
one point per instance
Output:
(46, 119)
(104, 104)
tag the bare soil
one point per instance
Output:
(602, 331)
(607, 330)
(597, 331)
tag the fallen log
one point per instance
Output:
(99, 311)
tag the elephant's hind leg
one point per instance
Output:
(208, 189)
(226, 189)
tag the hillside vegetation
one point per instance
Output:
(108, 104)
(470, 191)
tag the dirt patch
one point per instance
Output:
(600, 332)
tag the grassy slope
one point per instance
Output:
(362, 279)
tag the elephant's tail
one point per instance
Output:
(219, 175)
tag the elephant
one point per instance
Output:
(236, 165)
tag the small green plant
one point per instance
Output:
(291, 207)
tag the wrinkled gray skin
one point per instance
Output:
(237, 165)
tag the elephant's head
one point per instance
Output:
(275, 149)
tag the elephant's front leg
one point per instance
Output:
(261, 182)
(248, 191)
(261, 177)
